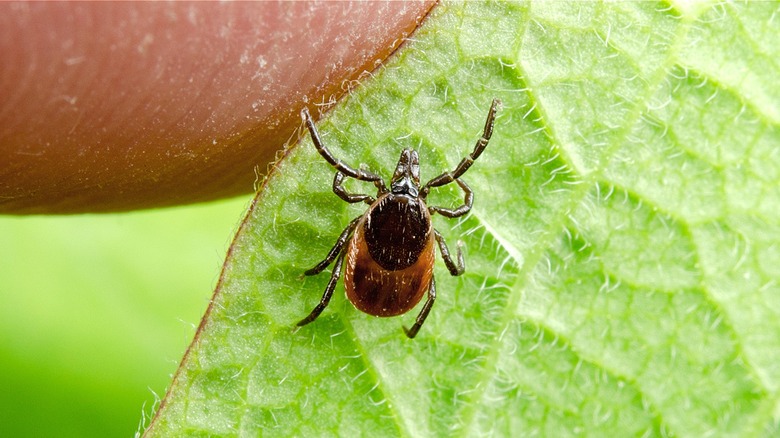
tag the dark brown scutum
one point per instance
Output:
(396, 231)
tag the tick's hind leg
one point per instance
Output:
(336, 250)
(412, 332)
(454, 269)
(334, 278)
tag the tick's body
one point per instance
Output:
(390, 256)
(390, 248)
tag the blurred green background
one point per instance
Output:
(97, 310)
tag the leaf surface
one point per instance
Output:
(623, 253)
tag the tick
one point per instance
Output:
(389, 250)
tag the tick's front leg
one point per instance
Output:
(335, 162)
(466, 162)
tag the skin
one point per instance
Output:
(121, 106)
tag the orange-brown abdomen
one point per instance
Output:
(390, 257)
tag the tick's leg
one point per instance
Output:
(454, 269)
(338, 164)
(448, 177)
(468, 200)
(334, 252)
(412, 332)
(338, 188)
(334, 277)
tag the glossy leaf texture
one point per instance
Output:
(623, 253)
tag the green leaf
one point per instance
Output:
(623, 253)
